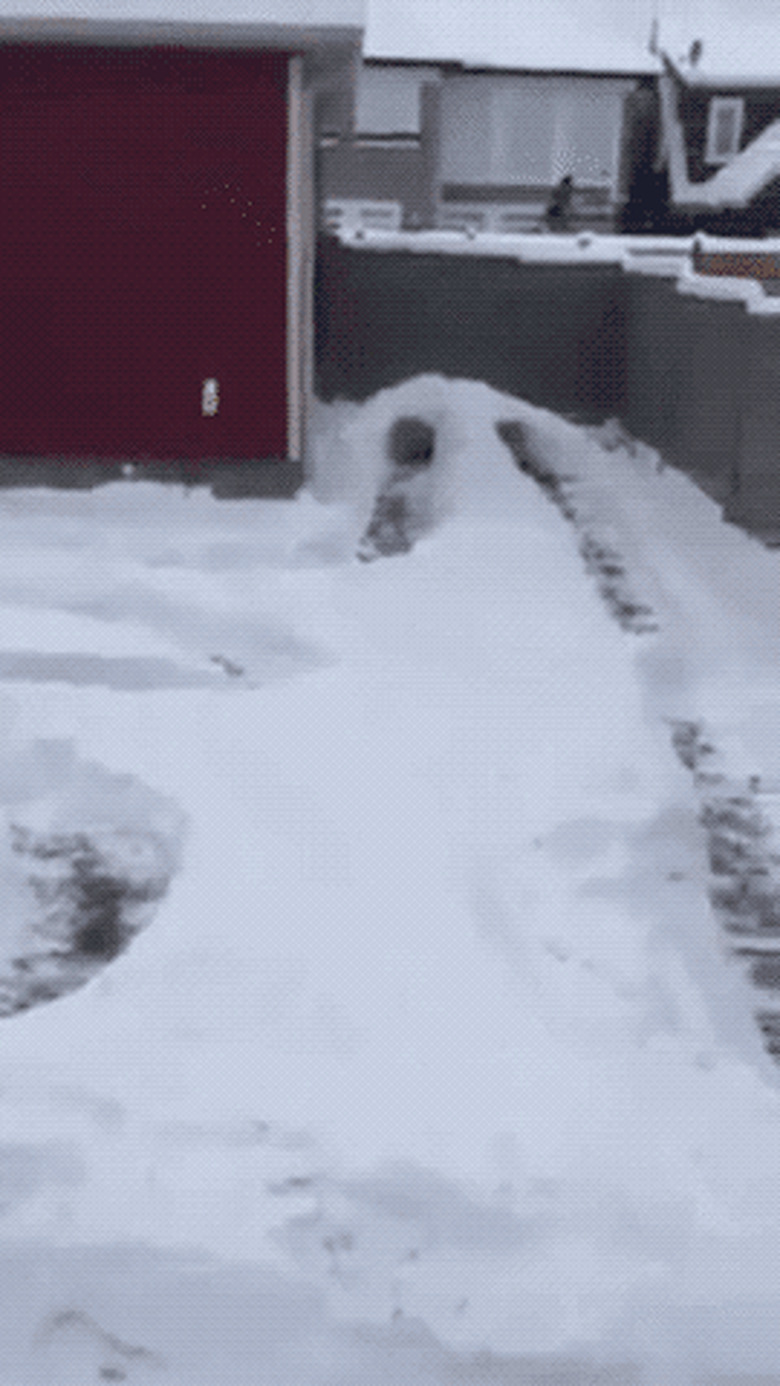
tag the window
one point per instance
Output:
(724, 128)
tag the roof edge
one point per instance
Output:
(701, 80)
(137, 32)
(459, 65)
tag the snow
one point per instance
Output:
(591, 36)
(589, 247)
(750, 171)
(428, 1060)
(596, 36)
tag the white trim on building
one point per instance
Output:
(725, 118)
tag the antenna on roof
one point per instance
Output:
(653, 41)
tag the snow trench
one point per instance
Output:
(403, 507)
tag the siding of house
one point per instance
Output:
(387, 163)
(507, 139)
(482, 148)
(739, 195)
(397, 178)
(762, 106)
(388, 99)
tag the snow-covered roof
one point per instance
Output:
(548, 35)
(740, 43)
(733, 185)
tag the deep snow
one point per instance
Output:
(429, 1060)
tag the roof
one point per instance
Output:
(700, 79)
(730, 81)
(50, 16)
(740, 40)
(588, 36)
(452, 68)
(733, 185)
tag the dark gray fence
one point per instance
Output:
(697, 378)
(546, 333)
(755, 503)
(684, 368)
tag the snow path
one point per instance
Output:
(713, 672)
(433, 1030)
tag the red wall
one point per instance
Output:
(142, 250)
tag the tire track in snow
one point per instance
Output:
(740, 816)
(601, 560)
(741, 822)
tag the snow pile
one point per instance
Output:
(430, 1065)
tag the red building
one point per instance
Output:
(156, 244)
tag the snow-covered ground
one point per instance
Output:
(405, 1041)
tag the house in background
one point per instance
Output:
(158, 230)
(720, 148)
(446, 145)
(508, 138)
(383, 172)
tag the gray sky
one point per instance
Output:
(740, 36)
